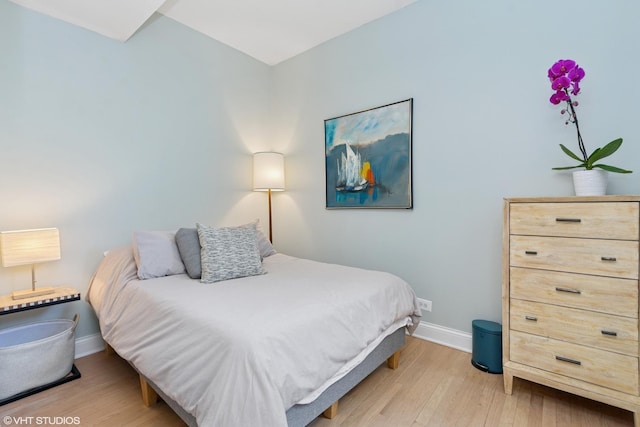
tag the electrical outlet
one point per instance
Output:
(425, 304)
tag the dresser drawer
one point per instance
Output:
(607, 369)
(597, 293)
(604, 331)
(616, 258)
(617, 220)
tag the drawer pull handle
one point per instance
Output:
(568, 290)
(532, 318)
(568, 360)
(531, 252)
(608, 258)
(610, 333)
(568, 220)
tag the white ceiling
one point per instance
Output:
(268, 30)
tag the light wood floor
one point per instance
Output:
(434, 386)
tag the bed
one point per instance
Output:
(275, 348)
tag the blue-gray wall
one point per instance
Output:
(101, 138)
(483, 129)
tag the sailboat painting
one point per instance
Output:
(368, 158)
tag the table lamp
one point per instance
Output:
(23, 247)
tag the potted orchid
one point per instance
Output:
(565, 77)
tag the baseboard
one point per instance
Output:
(427, 331)
(88, 345)
(445, 336)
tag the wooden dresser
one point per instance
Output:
(570, 296)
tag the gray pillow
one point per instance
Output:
(189, 247)
(229, 252)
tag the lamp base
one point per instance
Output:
(32, 293)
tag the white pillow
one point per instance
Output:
(229, 252)
(264, 245)
(156, 254)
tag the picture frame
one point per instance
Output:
(368, 158)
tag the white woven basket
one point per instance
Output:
(35, 354)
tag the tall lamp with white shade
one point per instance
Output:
(24, 247)
(268, 175)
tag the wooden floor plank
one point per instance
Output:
(433, 386)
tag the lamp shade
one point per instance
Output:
(268, 171)
(22, 247)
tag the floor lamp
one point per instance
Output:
(268, 175)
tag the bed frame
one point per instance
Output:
(326, 403)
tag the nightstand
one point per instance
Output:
(61, 295)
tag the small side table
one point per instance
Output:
(61, 295)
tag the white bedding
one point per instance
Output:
(241, 352)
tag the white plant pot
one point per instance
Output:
(590, 182)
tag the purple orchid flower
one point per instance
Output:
(565, 76)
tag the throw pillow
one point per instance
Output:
(189, 247)
(156, 254)
(264, 245)
(229, 252)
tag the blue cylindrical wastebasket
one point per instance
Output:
(487, 346)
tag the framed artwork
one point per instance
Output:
(368, 158)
